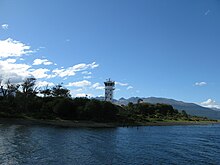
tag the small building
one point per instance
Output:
(109, 88)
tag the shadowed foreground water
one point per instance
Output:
(198, 144)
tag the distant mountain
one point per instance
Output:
(215, 109)
(190, 108)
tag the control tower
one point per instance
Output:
(109, 88)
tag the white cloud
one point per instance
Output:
(93, 65)
(210, 104)
(200, 83)
(100, 88)
(82, 83)
(71, 71)
(44, 84)
(86, 72)
(14, 72)
(12, 48)
(97, 86)
(5, 26)
(10, 69)
(17, 72)
(13, 67)
(10, 60)
(64, 72)
(58, 72)
(87, 77)
(83, 95)
(42, 61)
(74, 92)
(80, 67)
(40, 73)
(129, 87)
(79, 90)
(121, 84)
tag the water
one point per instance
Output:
(144, 145)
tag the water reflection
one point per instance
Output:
(145, 145)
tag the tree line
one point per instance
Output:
(27, 100)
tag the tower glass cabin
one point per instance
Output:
(109, 88)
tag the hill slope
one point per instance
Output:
(190, 108)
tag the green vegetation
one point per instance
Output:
(142, 112)
(56, 103)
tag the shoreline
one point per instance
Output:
(92, 124)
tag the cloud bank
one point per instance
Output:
(210, 104)
(13, 48)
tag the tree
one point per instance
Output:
(3, 91)
(28, 87)
(184, 114)
(12, 89)
(60, 91)
(93, 110)
(130, 105)
(65, 109)
(46, 92)
(109, 111)
(139, 101)
(9, 89)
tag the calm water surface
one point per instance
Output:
(144, 145)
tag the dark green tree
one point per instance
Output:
(46, 92)
(29, 87)
(60, 91)
(65, 109)
(184, 114)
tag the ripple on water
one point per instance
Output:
(144, 145)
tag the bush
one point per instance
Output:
(65, 109)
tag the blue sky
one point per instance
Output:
(149, 47)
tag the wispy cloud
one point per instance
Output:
(87, 77)
(210, 104)
(82, 83)
(129, 87)
(13, 48)
(42, 61)
(121, 84)
(97, 86)
(200, 83)
(44, 84)
(86, 72)
(207, 12)
(5, 26)
(71, 71)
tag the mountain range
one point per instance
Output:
(190, 108)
